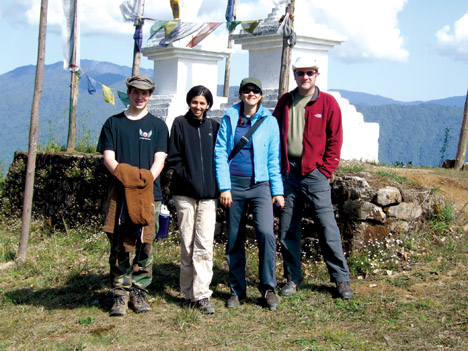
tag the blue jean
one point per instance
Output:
(259, 196)
(314, 188)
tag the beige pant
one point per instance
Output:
(197, 221)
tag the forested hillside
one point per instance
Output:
(423, 134)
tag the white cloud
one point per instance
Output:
(371, 27)
(454, 43)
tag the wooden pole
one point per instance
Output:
(285, 57)
(461, 150)
(136, 52)
(227, 70)
(31, 164)
(71, 142)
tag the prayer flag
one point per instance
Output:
(91, 85)
(249, 26)
(175, 8)
(138, 37)
(232, 25)
(203, 33)
(124, 98)
(183, 30)
(230, 11)
(108, 96)
(67, 34)
(170, 26)
(132, 9)
(156, 27)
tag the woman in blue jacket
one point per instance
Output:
(252, 175)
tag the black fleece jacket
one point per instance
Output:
(191, 156)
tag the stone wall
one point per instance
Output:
(70, 191)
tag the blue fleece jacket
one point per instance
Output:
(266, 149)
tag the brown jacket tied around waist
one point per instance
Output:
(135, 186)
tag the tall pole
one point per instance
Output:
(461, 150)
(285, 56)
(136, 50)
(71, 142)
(227, 70)
(31, 164)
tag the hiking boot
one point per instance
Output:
(344, 290)
(139, 301)
(205, 306)
(119, 307)
(271, 300)
(290, 288)
(233, 301)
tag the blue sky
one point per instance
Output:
(402, 49)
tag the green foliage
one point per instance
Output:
(444, 147)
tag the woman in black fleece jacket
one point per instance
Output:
(194, 190)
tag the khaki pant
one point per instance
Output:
(197, 221)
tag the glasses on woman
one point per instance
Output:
(303, 73)
(250, 90)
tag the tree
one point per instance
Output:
(461, 150)
(31, 164)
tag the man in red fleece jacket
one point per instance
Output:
(311, 139)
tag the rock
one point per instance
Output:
(387, 196)
(349, 187)
(405, 211)
(364, 211)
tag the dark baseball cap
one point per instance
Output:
(250, 80)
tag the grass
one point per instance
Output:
(58, 299)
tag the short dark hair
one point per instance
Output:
(200, 90)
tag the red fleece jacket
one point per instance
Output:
(323, 133)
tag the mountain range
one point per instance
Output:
(421, 133)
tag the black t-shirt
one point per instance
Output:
(135, 142)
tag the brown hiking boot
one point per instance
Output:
(119, 307)
(139, 301)
(271, 300)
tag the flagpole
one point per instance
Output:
(73, 87)
(285, 56)
(136, 50)
(227, 70)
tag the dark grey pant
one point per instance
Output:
(259, 196)
(314, 188)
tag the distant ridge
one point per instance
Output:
(358, 98)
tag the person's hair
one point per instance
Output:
(200, 90)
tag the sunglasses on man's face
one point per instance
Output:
(303, 73)
(250, 90)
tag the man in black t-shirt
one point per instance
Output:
(137, 138)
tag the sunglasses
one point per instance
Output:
(250, 90)
(309, 73)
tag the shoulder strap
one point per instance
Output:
(245, 139)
